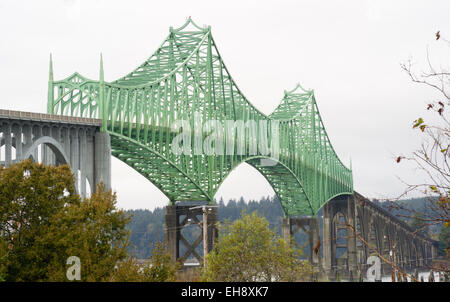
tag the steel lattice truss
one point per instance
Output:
(186, 75)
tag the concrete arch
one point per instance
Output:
(54, 145)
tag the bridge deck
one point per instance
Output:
(43, 117)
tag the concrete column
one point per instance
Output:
(351, 243)
(18, 142)
(170, 232)
(33, 137)
(44, 154)
(286, 229)
(66, 141)
(36, 133)
(83, 162)
(8, 144)
(102, 160)
(27, 137)
(400, 253)
(75, 156)
(56, 134)
(90, 160)
(326, 239)
(434, 252)
(212, 218)
(421, 256)
(45, 151)
(314, 235)
(429, 254)
(410, 255)
(2, 136)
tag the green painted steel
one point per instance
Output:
(184, 77)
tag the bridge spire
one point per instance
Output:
(50, 87)
(102, 112)
(102, 78)
(50, 78)
(351, 175)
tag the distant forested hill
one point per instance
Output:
(147, 227)
(404, 210)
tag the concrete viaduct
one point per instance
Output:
(354, 228)
(55, 140)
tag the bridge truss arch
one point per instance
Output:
(186, 79)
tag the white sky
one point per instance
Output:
(347, 51)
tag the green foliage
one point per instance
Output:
(43, 222)
(128, 270)
(158, 268)
(94, 231)
(30, 194)
(3, 258)
(248, 250)
(161, 267)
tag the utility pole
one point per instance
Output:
(205, 235)
(205, 229)
(393, 261)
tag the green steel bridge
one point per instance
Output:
(187, 80)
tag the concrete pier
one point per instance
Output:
(178, 217)
(309, 225)
(102, 162)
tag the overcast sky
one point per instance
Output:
(347, 51)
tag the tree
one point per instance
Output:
(248, 250)
(158, 268)
(3, 255)
(161, 267)
(128, 270)
(94, 230)
(433, 155)
(43, 222)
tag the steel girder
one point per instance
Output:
(186, 75)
